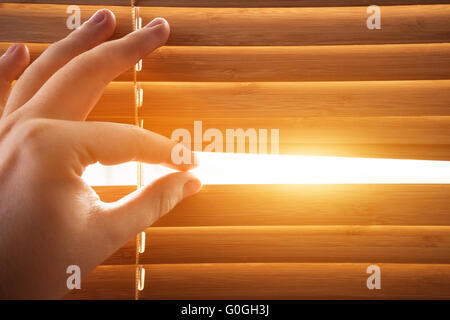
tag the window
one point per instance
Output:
(332, 86)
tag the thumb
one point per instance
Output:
(140, 209)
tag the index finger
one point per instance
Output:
(114, 143)
(75, 88)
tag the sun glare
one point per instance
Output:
(235, 168)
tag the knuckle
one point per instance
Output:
(33, 133)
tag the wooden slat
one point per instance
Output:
(327, 130)
(47, 23)
(302, 26)
(375, 137)
(113, 193)
(399, 244)
(393, 151)
(247, 205)
(277, 99)
(248, 27)
(280, 3)
(316, 63)
(107, 282)
(269, 281)
(116, 104)
(219, 100)
(290, 106)
(73, 2)
(235, 3)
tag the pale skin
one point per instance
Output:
(49, 217)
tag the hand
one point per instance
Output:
(49, 217)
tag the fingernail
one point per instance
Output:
(191, 187)
(11, 49)
(98, 17)
(155, 22)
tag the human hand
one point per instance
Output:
(49, 217)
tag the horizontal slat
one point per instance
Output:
(107, 282)
(398, 244)
(235, 3)
(116, 104)
(247, 205)
(279, 3)
(369, 119)
(317, 63)
(268, 281)
(302, 26)
(248, 27)
(375, 137)
(47, 22)
(113, 193)
(296, 99)
(277, 99)
(290, 205)
(326, 130)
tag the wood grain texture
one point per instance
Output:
(107, 282)
(244, 26)
(323, 211)
(375, 137)
(234, 3)
(113, 193)
(279, 3)
(391, 118)
(316, 63)
(73, 2)
(254, 205)
(286, 64)
(399, 244)
(277, 99)
(302, 26)
(46, 23)
(269, 281)
(415, 205)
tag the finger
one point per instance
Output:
(113, 143)
(72, 91)
(96, 30)
(12, 63)
(140, 209)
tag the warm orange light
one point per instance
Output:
(233, 168)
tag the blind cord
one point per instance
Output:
(136, 22)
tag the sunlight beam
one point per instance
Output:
(235, 168)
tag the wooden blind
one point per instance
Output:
(333, 87)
